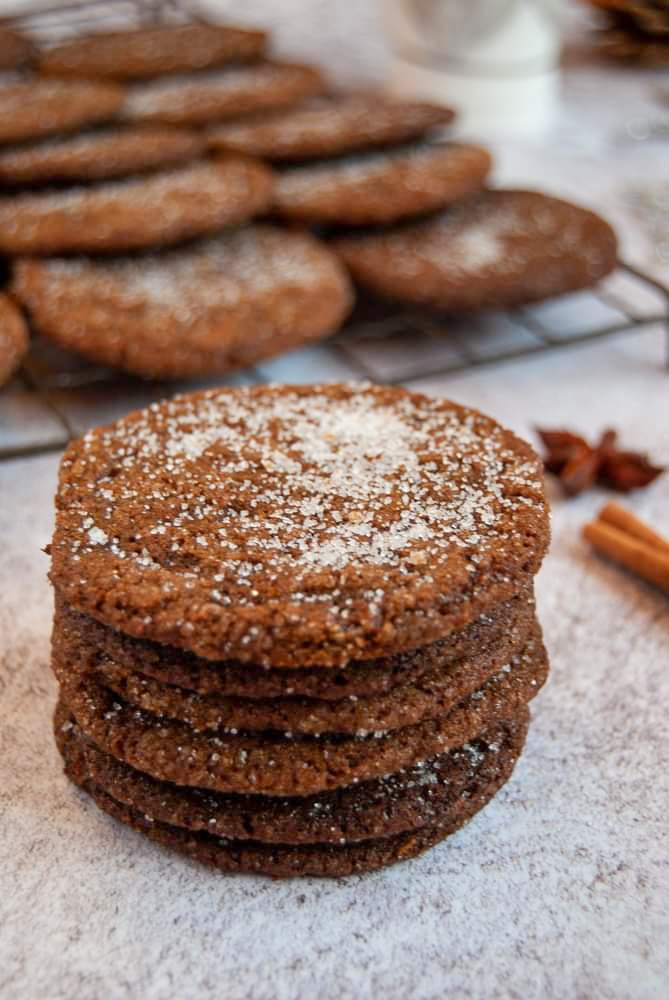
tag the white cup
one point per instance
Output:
(495, 61)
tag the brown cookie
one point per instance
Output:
(404, 801)
(34, 108)
(148, 52)
(201, 98)
(135, 213)
(497, 249)
(212, 306)
(95, 642)
(283, 765)
(15, 49)
(13, 338)
(381, 187)
(330, 127)
(297, 525)
(436, 692)
(284, 861)
(96, 155)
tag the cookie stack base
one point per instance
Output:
(489, 764)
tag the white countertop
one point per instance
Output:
(560, 888)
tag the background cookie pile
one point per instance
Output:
(191, 131)
(295, 629)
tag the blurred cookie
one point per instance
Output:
(148, 52)
(135, 213)
(497, 249)
(15, 49)
(210, 307)
(34, 108)
(204, 97)
(13, 338)
(383, 186)
(330, 127)
(99, 154)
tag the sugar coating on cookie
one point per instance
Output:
(199, 98)
(330, 127)
(306, 524)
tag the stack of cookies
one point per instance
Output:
(99, 155)
(295, 630)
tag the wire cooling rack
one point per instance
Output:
(56, 396)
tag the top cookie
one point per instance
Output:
(330, 127)
(35, 108)
(148, 52)
(297, 526)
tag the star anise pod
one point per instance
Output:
(579, 465)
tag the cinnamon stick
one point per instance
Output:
(634, 554)
(618, 516)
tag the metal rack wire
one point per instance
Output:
(56, 396)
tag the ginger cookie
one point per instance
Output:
(148, 52)
(137, 212)
(381, 187)
(200, 98)
(297, 525)
(330, 127)
(31, 109)
(94, 643)
(13, 338)
(404, 801)
(436, 692)
(497, 249)
(284, 764)
(15, 49)
(285, 861)
(212, 306)
(99, 154)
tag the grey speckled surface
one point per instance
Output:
(559, 889)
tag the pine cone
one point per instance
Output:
(634, 31)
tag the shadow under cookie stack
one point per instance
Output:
(192, 131)
(295, 630)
